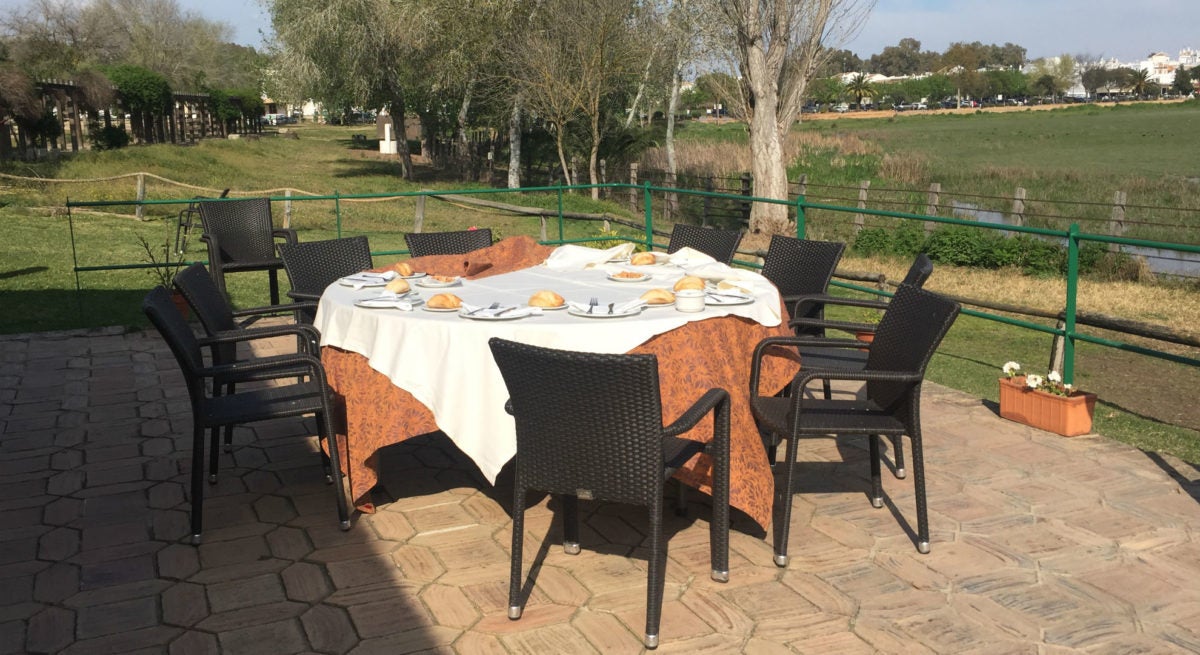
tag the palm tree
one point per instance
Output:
(1139, 82)
(860, 88)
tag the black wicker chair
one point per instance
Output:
(911, 329)
(460, 242)
(853, 359)
(590, 426)
(187, 219)
(310, 396)
(240, 237)
(224, 332)
(314, 265)
(800, 267)
(719, 244)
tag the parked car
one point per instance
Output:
(841, 107)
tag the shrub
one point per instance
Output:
(874, 241)
(108, 138)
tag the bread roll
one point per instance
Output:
(444, 301)
(443, 278)
(689, 282)
(643, 259)
(404, 268)
(546, 298)
(658, 297)
(398, 285)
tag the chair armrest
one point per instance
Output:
(303, 295)
(286, 233)
(760, 351)
(711, 399)
(802, 302)
(306, 334)
(283, 366)
(804, 377)
(846, 326)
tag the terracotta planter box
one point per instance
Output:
(865, 337)
(1069, 416)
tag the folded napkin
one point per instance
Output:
(718, 272)
(509, 311)
(571, 257)
(687, 257)
(403, 301)
(728, 297)
(360, 280)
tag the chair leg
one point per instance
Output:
(681, 490)
(229, 389)
(656, 576)
(918, 460)
(898, 455)
(325, 423)
(570, 524)
(273, 275)
(214, 454)
(876, 478)
(197, 482)
(718, 530)
(827, 389)
(518, 542)
(785, 499)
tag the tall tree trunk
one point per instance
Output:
(594, 155)
(463, 109)
(767, 167)
(562, 156)
(672, 107)
(406, 164)
(640, 90)
(514, 145)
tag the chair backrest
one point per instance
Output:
(242, 227)
(205, 298)
(460, 242)
(801, 266)
(587, 424)
(313, 265)
(914, 324)
(919, 272)
(719, 244)
(161, 311)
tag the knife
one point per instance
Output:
(504, 311)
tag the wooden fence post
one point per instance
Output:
(419, 219)
(1056, 348)
(861, 219)
(1018, 207)
(1116, 226)
(802, 185)
(672, 204)
(603, 177)
(574, 165)
(633, 191)
(141, 195)
(287, 208)
(932, 202)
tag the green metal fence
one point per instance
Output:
(1072, 237)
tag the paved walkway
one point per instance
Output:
(1040, 544)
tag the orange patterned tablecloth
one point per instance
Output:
(692, 359)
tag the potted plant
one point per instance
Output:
(1046, 402)
(868, 317)
(164, 264)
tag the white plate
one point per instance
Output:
(441, 309)
(602, 312)
(551, 309)
(652, 305)
(363, 283)
(726, 300)
(643, 278)
(508, 316)
(436, 284)
(377, 303)
(415, 275)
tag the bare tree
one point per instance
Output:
(779, 46)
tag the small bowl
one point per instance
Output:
(689, 300)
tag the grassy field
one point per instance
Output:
(37, 284)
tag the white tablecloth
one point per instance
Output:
(443, 359)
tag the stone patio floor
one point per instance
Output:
(1041, 544)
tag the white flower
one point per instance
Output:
(1033, 381)
(1068, 387)
(1054, 377)
(1011, 368)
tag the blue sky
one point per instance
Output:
(1126, 29)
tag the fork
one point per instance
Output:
(592, 303)
(493, 306)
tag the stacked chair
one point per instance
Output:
(461, 242)
(719, 244)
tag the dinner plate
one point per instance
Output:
(726, 300)
(364, 283)
(508, 316)
(642, 278)
(552, 309)
(441, 309)
(603, 313)
(386, 303)
(435, 284)
(652, 305)
(415, 275)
